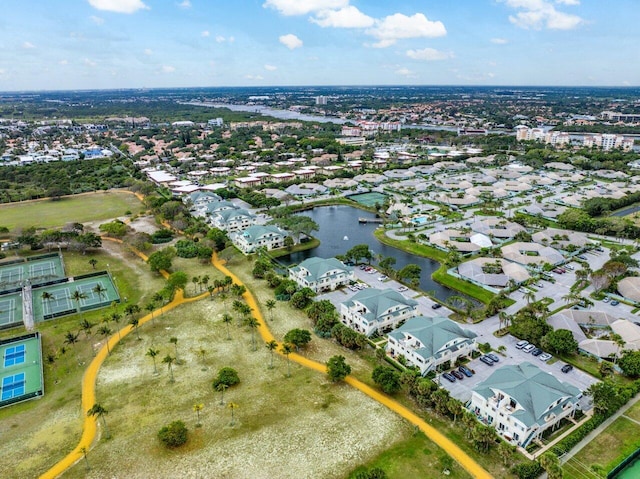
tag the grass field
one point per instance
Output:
(80, 208)
(608, 449)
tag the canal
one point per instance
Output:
(340, 231)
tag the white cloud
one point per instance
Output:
(63, 62)
(119, 6)
(89, 63)
(184, 4)
(148, 51)
(28, 46)
(220, 39)
(97, 20)
(205, 33)
(538, 14)
(302, 7)
(270, 68)
(254, 77)
(167, 69)
(399, 26)
(290, 41)
(405, 72)
(347, 17)
(499, 41)
(429, 54)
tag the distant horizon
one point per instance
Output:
(149, 44)
(336, 86)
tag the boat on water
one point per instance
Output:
(346, 238)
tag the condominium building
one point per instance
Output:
(321, 274)
(372, 310)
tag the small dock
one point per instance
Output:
(370, 220)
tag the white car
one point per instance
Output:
(521, 344)
(545, 357)
(528, 348)
(402, 288)
(382, 278)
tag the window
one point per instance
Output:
(14, 355)
(13, 386)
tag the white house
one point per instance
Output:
(522, 401)
(321, 274)
(372, 310)
(254, 237)
(429, 342)
(231, 220)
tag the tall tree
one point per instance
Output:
(271, 346)
(270, 304)
(105, 331)
(227, 319)
(152, 353)
(173, 340)
(287, 349)
(253, 325)
(169, 360)
(100, 412)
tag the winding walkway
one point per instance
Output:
(471, 466)
(89, 429)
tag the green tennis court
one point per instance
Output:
(10, 310)
(78, 294)
(37, 269)
(369, 199)
(20, 369)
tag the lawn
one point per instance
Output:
(79, 208)
(608, 449)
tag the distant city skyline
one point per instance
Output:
(104, 44)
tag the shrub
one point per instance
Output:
(226, 376)
(174, 434)
(527, 470)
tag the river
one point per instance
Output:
(340, 231)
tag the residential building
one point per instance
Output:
(557, 138)
(254, 237)
(230, 220)
(429, 342)
(321, 274)
(372, 310)
(608, 142)
(524, 133)
(247, 181)
(522, 402)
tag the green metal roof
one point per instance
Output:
(319, 267)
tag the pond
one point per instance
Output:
(627, 211)
(341, 231)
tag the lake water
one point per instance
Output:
(338, 222)
(627, 211)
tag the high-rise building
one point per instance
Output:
(321, 100)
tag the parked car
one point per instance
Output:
(545, 357)
(449, 377)
(466, 371)
(599, 248)
(486, 360)
(402, 288)
(606, 299)
(436, 306)
(493, 357)
(521, 344)
(382, 278)
(536, 352)
(457, 374)
(615, 302)
(566, 368)
(528, 348)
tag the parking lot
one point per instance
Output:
(461, 389)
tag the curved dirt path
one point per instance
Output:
(470, 465)
(89, 428)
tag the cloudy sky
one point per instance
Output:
(87, 44)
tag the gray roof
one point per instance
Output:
(433, 333)
(318, 267)
(253, 233)
(228, 215)
(378, 301)
(531, 387)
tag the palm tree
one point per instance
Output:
(83, 451)
(150, 308)
(233, 406)
(99, 290)
(620, 342)
(503, 318)
(77, 296)
(529, 296)
(152, 353)
(158, 298)
(98, 411)
(204, 281)
(195, 280)
(86, 327)
(173, 340)
(202, 353)
(169, 360)
(253, 324)
(46, 297)
(287, 349)
(197, 408)
(227, 319)
(221, 388)
(134, 322)
(211, 289)
(270, 305)
(116, 317)
(93, 262)
(131, 310)
(271, 346)
(105, 331)
(71, 338)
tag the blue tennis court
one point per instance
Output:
(14, 355)
(13, 386)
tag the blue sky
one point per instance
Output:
(87, 44)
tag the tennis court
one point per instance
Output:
(10, 310)
(37, 269)
(78, 293)
(369, 199)
(20, 369)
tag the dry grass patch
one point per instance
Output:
(303, 426)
